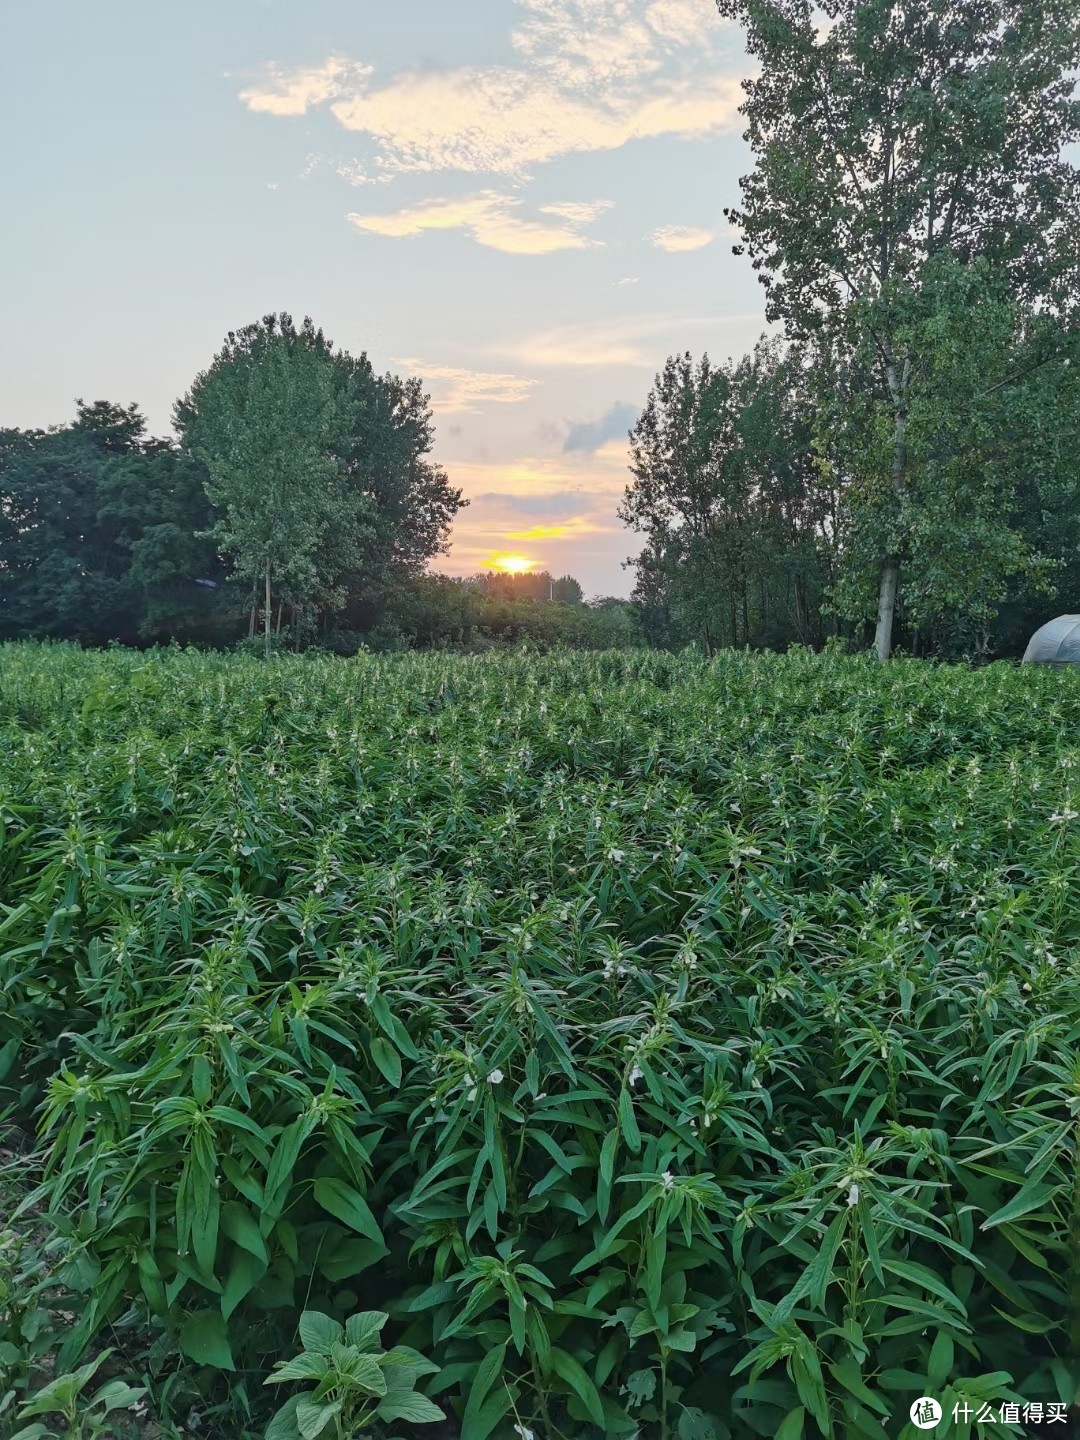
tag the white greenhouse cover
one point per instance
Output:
(1055, 643)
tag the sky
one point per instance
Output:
(520, 201)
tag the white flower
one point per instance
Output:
(495, 1077)
(853, 1195)
(471, 1095)
(524, 1432)
(1061, 817)
(635, 1075)
(669, 1180)
(615, 855)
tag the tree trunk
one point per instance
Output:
(890, 584)
(890, 567)
(802, 609)
(277, 628)
(266, 632)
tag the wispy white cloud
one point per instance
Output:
(355, 173)
(584, 43)
(629, 280)
(578, 212)
(683, 22)
(682, 237)
(491, 219)
(630, 341)
(501, 121)
(595, 76)
(294, 92)
(458, 391)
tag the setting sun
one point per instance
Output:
(511, 564)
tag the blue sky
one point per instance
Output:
(519, 200)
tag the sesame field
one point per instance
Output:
(630, 1045)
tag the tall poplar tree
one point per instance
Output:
(892, 132)
(268, 420)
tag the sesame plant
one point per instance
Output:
(667, 1049)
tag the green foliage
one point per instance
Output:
(987, 400)
(737, 516)
(83, 1417)
(30, 1281)
(293, 454)
(895, 136)
(356, 1384)
(438, 612)
(267, 419)
(662, 1046)
(97, 534)
(318, 469)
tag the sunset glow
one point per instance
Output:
(511, 564)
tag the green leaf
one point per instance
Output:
(940, 1364)
(312, 1418)
(695, 1424)
(204, 1339)
(923, 1276)
(201, 1083)
(8, 1052)
(480, 1425)
(387, 1059)
(487, 1373)
(350, 1258)
(309, 1366)
(628, 1121)
(284, 1425)
(1031, 1196)
(319, 1333)
(364, 1326)
(572, 1372)
(368, 1373)
(348, 1206)
(241, 1227)
(116, 1395)
(640, 1386)
(809, 1383)
(792, 1425)
(607, 1171)
(409, 1405)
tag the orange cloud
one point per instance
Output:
(460, 391)
(579, 525)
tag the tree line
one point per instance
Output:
(297, 505)
(900, 461)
